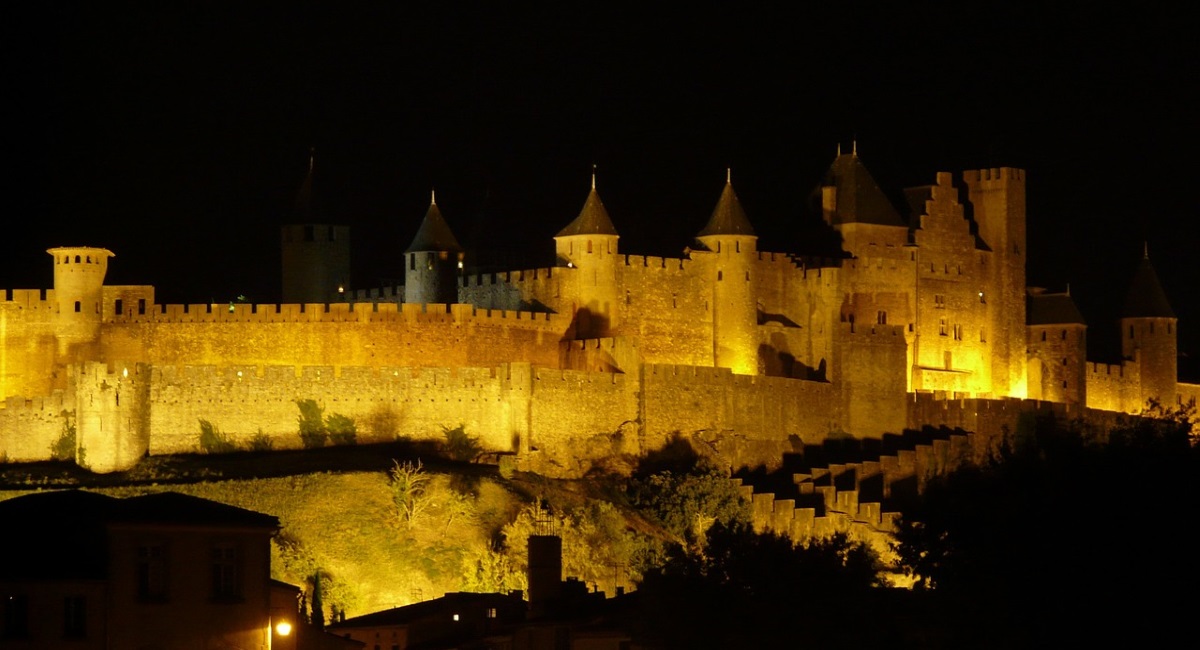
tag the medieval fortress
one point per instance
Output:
(926, 320)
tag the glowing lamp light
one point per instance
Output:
(460, 265)
(456, 617)
(125, 372)
(341, 289)
(283, 628)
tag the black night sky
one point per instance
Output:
(176, 134)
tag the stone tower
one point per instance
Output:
(1057, 348)
(997, 197)
(315, 256)
(433, 260)
(587, 247)
(1148, 336)
(730, 242)
(78, 295)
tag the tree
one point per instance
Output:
(687, 504)
(409, 485)
(311, 422)
(753, 589)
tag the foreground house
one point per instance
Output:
(166, 570)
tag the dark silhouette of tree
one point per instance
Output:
(1068, 533)
(751, 589)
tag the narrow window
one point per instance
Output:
(16, 616)
(958, 332)
(1151, 327)
(120, 304)
(720, 276)
(1064, 335)
(737, 246)
(1131, 331)
(89, 259)
(78, 307)
(943, 327)
(76, 259)
(412, 262)
(881, 318)
(74, 616)
(939, 301)
(141, 306)
(589, 246)
(1043, 336)
(152, 572)
(226, 581)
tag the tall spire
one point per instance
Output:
(728, 217)
(434, 234)
(593, 218)
(1146, 298)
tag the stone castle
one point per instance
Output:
(925, 320)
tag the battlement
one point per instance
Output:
(337, 312)
(995, 176)
(578, 376)
(506, 277)
(31, 299)
(649, 261)
(672, 371)
(1098, 369)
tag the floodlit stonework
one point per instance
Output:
(749, 352)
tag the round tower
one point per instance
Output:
(315, 257)
(588, 246)
(1148, 337)
(78, 293)
(730, 240)
(433, 261)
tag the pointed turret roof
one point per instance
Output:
(859, 198)
(434, 233)
(1146, 298)
(593, 218)
(303, 210)
(728, 218)
(1052, 309)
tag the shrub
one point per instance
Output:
(342, 429)
(64, 447)
(382, 424)
(311, 422)
(261, 442)
(212, 441)
(459, 445)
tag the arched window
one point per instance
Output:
(76, 259)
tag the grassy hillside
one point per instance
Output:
(469, 533)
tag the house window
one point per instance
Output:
(958, 332)
(939, 301)
(943, 327)
(226, 579)
(16, 616)
(881, 318)
(152, 572)
(75, 616)
(491, 612)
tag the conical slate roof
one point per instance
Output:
(303, 210)
(1052, 309)
(728, 218)
(434, 234)
(592, 220)
(859, 198)
(1146, 298)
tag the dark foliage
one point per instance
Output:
(1065, 534)
(752, 590)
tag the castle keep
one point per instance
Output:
(605, 353)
